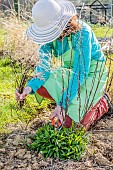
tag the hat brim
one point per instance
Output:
(54, 30)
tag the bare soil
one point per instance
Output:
(14, 154)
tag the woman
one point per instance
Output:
(77, 85)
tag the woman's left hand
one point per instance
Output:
(59, 113)
(21, 97)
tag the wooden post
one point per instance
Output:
(16, 6)
(112, 8)
(90, 13)
(19, 9)
(105, 14)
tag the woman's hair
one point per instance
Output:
(72, 27)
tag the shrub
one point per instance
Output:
(63, 144)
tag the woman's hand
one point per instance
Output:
(59, 113)
(21, 97)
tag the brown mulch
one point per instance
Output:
(14, 154)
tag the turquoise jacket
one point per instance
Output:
(86, 47)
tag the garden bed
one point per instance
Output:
(14, 154)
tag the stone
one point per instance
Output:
(49, 160)
(7, 168)
(40, 156)
(12, 153)
(17, 140)
(27, 155)
(20, 153)
(2, 150)
(1, 165)
(43, 163)
(9, 141)
(1, 143)
(22, 165)
(34, 160)
(28, 141)
(88, 163)
(35, 166)
(101, 145)
(29, 168)
(101, 160)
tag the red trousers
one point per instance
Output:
(90, 117)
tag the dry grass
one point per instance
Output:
(19, 48)
(15, 43)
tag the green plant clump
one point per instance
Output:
(63, 144)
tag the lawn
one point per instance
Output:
(102, 31)
(9, 109)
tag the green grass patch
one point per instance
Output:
(9, 109)
(102, 31)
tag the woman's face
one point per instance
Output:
(72, 27)
(66, 31)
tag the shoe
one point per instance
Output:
(110, 105)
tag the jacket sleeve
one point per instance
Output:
(43, 69)
(82, 58)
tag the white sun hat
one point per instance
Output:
(50, 18)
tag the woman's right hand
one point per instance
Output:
(21, 97)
